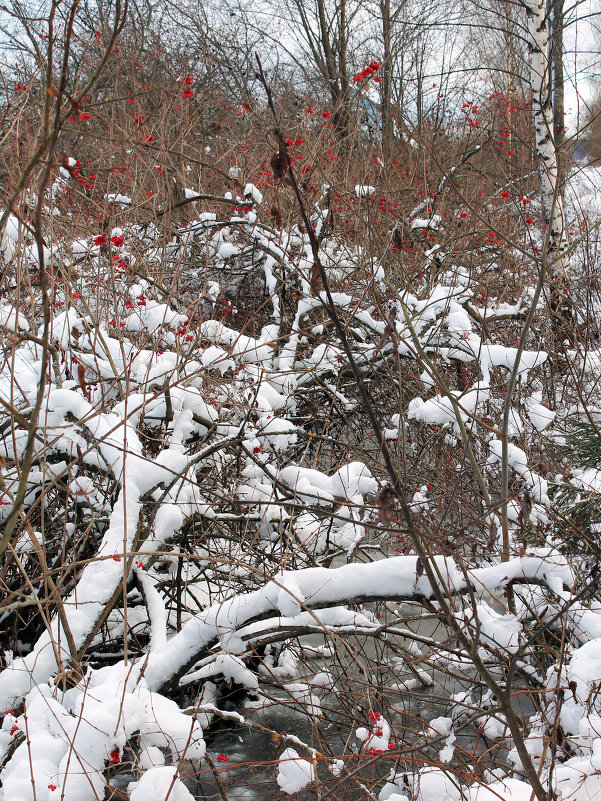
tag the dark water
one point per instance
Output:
(363, 669)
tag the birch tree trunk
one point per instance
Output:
(541, 28)
(546, 151)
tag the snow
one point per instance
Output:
(336, 767)
(227, 665)
(494, 628)
(156, 611)
(507, 790)
(418, 224)
(228, 251)
(316, 487)
(501, 356)
(153, 316)
(290, 596)
(432, 784)
(11, 236)
(250, 190)
(502, 309)
(376, 739)
(250, 349)
(76, 734)
(540, 416)
(216, 357)
(518, 461)
(442, 727)
(10, 317)
(122, 200)
(392, 578)
(440, 409)
(158, 783)
(294, 773)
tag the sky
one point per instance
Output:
(583, 60)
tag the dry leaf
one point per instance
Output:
(385, 502)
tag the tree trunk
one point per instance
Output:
(337, 79)
(546, 150)
(542, 61)
(557, 25)
(386, 72)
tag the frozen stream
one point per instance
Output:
(251, 768)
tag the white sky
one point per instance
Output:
(583, 59)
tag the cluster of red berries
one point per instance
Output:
(374, 66)
(187, 91)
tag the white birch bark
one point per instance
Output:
(540, 33)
